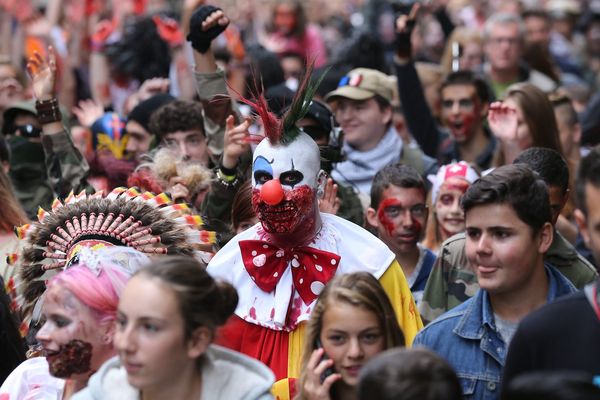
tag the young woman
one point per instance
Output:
(447, 217)
(166, 321)
(524, 119)
(11, 215)
(79, 309)
(352, 322)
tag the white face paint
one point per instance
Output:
(295, 164)
(291, 209)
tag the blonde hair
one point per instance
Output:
(359, 289)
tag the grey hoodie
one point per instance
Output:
(225, 375)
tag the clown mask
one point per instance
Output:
(284, 181)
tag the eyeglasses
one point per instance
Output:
(28, 131)
(497, 41)
(416, 211)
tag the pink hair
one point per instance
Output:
(98, 292)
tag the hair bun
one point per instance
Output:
(227, 303)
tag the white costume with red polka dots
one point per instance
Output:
(282, 308)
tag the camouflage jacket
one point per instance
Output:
(452, 281)
(351, 207)
(66, 167)
(216, 106)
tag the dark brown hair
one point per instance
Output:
(241, 208)
(538, 113)
(178, 115)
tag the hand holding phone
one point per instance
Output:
(330, 370)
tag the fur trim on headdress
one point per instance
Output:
(156, 174)
(125, 217)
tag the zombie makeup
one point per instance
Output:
(449, 214)
(401, 216)
(385, 218)
(71, 359)
(461, 111)
(449, 185)
(284, 180)
(69, 335)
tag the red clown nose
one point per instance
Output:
(272, 192)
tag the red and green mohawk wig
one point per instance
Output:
(283, 130)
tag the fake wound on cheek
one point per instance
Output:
(386, 221)
(73, 358)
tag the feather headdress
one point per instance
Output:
(149, 223)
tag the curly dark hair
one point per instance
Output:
(178, 115)
(141, 53)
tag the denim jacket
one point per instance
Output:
(467, 338)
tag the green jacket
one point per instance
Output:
(452, 281)
(66, 167)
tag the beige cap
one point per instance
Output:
(362, 84)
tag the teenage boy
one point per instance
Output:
(399, 213)
(541, 342)
(362, 105)
(508, 229)
(452, 280)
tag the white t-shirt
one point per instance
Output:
(32, 381)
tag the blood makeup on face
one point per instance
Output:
(72, 358)
(294, 215)
(67, 323)
(456, 184)
(468, 122)
(387, 223)
(450, 192)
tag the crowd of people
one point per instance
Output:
(285, 199)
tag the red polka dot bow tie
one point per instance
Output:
(311, 268)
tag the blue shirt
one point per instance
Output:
(467, 338)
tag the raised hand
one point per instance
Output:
(503, 121)
(179, 192)
(206, 23)
(215, 18)
(88, 111)
(153, 86)
(404, 28)
(329, 203)
(42, 72)
(236, 142)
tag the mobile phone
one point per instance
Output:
(329, 370)
(456, 53)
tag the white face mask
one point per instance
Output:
(295, 164)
